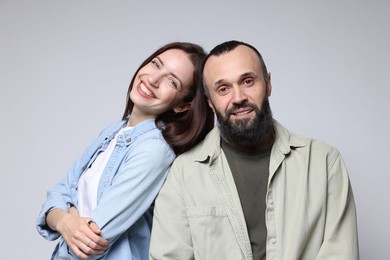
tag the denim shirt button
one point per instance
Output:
(128, 140)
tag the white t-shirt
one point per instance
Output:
(89, 180)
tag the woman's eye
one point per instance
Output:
(173, 83)
(155, 64)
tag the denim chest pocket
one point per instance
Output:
(212, 234)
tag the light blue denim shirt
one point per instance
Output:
(128, 186)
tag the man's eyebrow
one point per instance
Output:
(218, 82)
(246, 74)
(249, 74)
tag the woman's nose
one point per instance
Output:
(154, 80)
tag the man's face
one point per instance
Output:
(239, 95)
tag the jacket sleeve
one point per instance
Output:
(171, 238)
(340, 236)
(134, 188)
(57, 197)
(60, 196)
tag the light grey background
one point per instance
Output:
(65, 67)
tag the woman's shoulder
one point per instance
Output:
(115, 126)
(110, 130)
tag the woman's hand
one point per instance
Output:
(82, 238)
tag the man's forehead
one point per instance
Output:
(237, 62)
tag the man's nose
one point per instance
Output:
(239, 95)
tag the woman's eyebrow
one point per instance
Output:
(173, 74)
(162, 63)
(178, 79)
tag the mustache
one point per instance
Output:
(242, 105)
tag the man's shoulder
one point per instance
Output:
(298, 141)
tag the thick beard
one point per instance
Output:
(247, 132)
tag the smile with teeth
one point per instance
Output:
(242, 113)
(145, 91)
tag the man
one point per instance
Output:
(252, 189)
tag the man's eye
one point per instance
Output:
(222, 90)
(248, 82)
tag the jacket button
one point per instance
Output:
(128, 140)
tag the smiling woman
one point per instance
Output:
(160, 86)
(166, 114)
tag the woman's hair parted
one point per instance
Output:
(186, 129)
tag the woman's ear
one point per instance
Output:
(182, 108)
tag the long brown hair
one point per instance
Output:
(182, 130)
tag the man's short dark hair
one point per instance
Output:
(226, 47)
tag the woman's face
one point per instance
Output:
(162, 84)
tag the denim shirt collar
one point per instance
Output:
(133, 133)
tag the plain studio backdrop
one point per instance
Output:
(65, 67)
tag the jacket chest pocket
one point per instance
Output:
(212, 234)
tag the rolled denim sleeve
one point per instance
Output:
(57, 197)
(60, 196)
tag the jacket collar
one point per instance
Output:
(210, 148)
(284, 142)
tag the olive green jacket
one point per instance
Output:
(310, 213)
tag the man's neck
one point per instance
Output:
(263, 144)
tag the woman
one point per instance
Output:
(102, 209)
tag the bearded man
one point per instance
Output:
(252, 189)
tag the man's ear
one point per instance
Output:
(269, 84)
(210, 104)
(182, 108)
